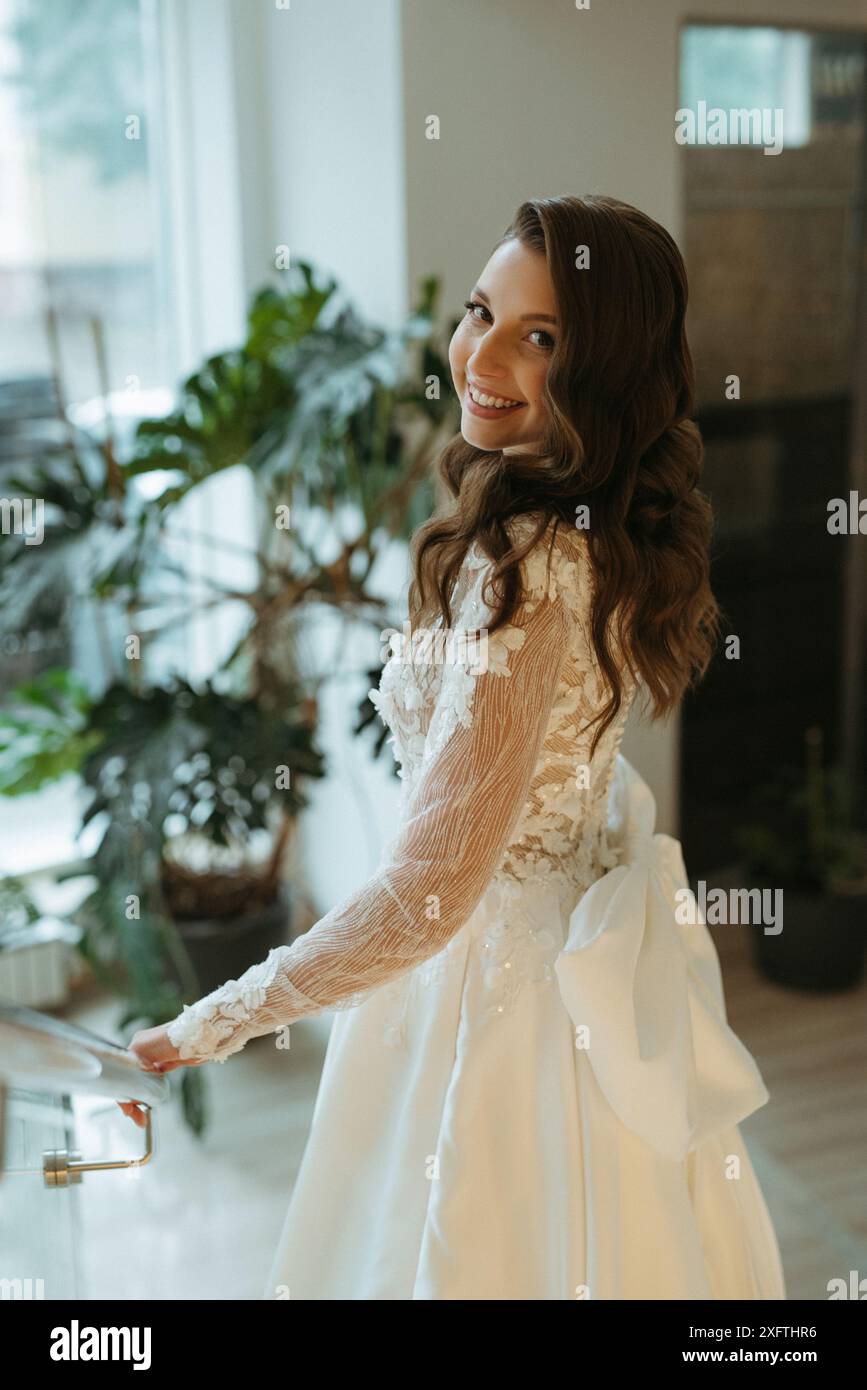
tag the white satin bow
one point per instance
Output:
(649, 991)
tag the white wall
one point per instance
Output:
(331, 76)
(321, 125)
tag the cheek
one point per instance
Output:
(458, 351)
(535, 388)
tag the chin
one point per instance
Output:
(481, 440)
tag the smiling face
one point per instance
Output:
(502, 348)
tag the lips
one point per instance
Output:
(489, 412)
(489, 391)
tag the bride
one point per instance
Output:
(530, 1089)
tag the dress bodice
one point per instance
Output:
(426, 691)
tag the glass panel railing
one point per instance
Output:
(44, 1063)
(38, 1226)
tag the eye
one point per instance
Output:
(550, 343)
(472, 304)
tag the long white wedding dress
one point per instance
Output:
(530, 1089)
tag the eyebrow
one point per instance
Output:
(536, 318)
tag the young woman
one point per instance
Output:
(530, 1089)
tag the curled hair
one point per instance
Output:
(619, 440)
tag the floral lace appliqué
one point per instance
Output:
(207, 1026)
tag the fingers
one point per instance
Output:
(152, 1048)
(134, 1112)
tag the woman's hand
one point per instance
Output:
(156, 1053)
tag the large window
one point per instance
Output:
(104, 304)
(84, 235)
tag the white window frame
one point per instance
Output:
(193, 80)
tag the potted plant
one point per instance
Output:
(806, 841)
(192, 784)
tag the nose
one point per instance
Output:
(485, 364)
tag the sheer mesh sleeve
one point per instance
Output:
(480, 751)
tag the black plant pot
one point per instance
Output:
(222, 948)
(822, 943)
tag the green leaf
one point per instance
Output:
(44, 733)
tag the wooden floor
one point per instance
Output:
(203, 1219)
(809, 1143)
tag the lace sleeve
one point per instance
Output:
(481, 748)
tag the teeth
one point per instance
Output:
(496, 402)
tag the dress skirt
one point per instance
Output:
(582, 1143)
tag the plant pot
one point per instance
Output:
(37, 963)
(821, 945)
(221, 949)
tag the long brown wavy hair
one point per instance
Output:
(619, 394)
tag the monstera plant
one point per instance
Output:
(192, 785)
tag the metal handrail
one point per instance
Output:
(49, 1055)
(58, 1058)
